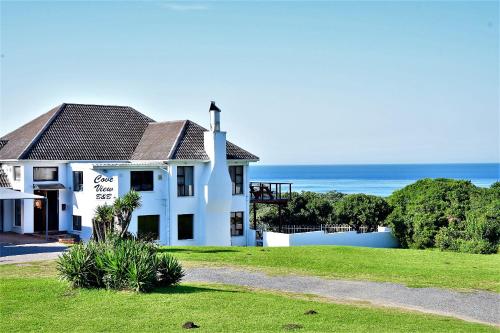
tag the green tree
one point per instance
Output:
(359, 210)
(421, 209)
(102, 223)
(123, 209)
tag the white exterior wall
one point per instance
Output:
(188, 204)
(381, 239)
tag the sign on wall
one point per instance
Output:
(105, 188)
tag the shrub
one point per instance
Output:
(359, 210)
(419, 210)
(170, 271)
(119, 264)
(449, 214)
(79, 267)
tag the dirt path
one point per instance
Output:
(477, 306)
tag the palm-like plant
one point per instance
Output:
(103, 222)
(123, 209)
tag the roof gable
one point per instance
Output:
(158, 140)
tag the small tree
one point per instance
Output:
(359, 210)
(123, 209)
(102, 222)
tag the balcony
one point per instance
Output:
(272, 193)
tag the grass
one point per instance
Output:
(33, 299)
(415, 268)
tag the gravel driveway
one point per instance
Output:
(17, 253)
(477, 306)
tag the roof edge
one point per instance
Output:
(172, 151)
(40, 132)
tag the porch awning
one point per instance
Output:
(9, 194)
(54, 186)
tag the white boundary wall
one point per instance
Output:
(381, 239)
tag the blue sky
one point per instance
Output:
(297, 82)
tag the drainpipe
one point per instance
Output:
(167, 203)
(46, 217)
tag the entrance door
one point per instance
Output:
(40, 212)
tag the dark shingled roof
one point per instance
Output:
(107, 133)
(4, 180)
(16, 142)
(158, 140)
(90, 132)
(190, 146)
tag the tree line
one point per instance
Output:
(448, 214)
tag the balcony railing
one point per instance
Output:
(261, 192)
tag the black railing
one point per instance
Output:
(270, 192)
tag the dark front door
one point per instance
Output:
(40, 212)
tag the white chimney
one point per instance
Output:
(218, 195)
(214, 117)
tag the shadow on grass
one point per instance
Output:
(195, 250)
(182, 289)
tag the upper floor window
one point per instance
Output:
(17, 173)
(45, 173)
(185, 181)
(141, 180)
(236, 173)
(77, 181)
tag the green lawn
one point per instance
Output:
(415, 268)
(33, 299)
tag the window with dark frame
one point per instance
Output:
(148, 227)
(141, 180)
(236, 223)
(77, 181)
(17, 212)
(17, 173)
(236, 173)
(45, 173)
(185, 181)
(185, 226)
(77, 223)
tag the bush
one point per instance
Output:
(359, 210)
(119, 264)
(452, 215)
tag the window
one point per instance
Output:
(45, 173)
(185, 226)
(77, 181)
(141, 180)
(236, 223)
(185, 181)
(236, 173)
(17, 173)
(77, 223)
(17, 212)
(148, 227)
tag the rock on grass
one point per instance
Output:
(189, 325)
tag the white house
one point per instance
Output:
(193, 183)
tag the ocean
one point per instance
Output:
(376, 179)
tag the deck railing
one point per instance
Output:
(327, 228)
(270, 192)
